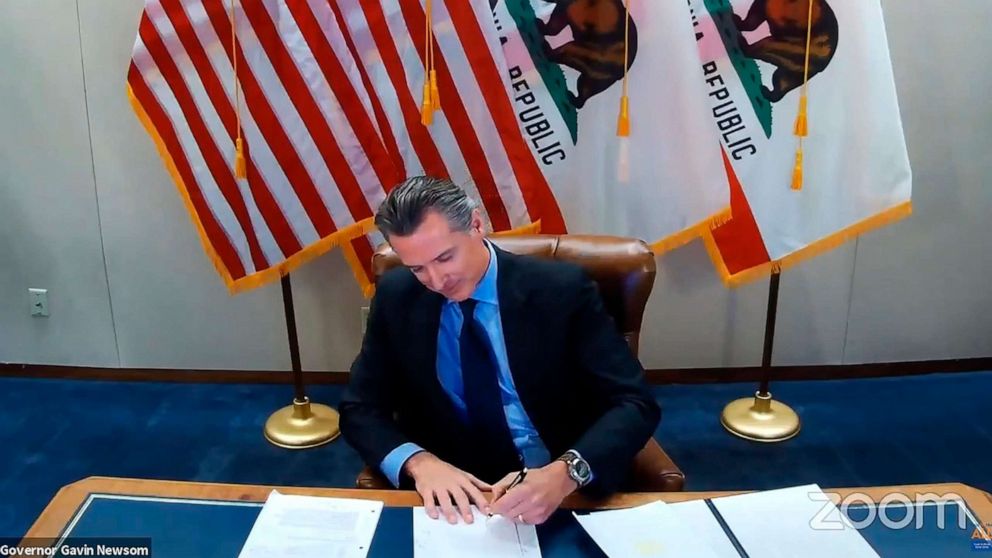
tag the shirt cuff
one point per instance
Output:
(392, 464)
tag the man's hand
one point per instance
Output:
(537, 497)
(440, 484)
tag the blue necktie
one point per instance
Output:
(483, 398)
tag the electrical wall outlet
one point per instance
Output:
(365, 318)
(39, 302)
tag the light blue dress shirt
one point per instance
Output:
(533, 452)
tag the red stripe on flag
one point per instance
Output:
(537, 194)
(311, 115)
(423, 143)
(271, 129)
(220, 169)
(345, 93)
(271, 212)
(215, 234)
(739, 240)
(385, 129)
(467, 139)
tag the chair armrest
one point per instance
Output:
(372, 480)
(653, 471)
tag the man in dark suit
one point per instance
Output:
(478, 364)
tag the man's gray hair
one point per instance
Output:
(407, 205)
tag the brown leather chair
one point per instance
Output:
(624, 269)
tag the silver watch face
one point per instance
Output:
(581, 469)
(578, 469)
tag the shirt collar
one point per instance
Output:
(485, 291)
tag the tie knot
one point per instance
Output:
(468, 307)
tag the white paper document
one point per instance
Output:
(799, 521)
(649, 531)
(312, 527)
(486, 537)
(699, 519)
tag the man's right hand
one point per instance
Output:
(446, 487)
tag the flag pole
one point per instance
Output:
(303, 424)
(761, 419)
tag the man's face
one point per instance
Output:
(447, 262)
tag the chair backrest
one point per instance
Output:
(623, 268)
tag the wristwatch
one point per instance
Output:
(578, 468)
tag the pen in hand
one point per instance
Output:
(516, 480)
(519, 479)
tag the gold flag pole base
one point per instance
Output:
(760, 419)
(302, 425)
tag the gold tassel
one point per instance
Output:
(427, 108)
(435, 96)
(240, 165)
(623, 121)
(797, 171)
(430, 87)
(801, 129)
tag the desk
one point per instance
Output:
(560, 537)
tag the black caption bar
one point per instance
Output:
(76, 546)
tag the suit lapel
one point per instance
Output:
(517, 335)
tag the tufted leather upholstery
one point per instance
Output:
(624, 269)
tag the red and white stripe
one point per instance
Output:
(330, 115)
(475, 138)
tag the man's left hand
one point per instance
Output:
(537, 497)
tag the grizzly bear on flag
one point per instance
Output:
(596, 50)
(785, 48)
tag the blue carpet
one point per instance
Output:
(855, 433)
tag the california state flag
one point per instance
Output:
(854, 173)
(564, 70)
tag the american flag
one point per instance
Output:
(329, 107)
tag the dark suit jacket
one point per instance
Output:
(577, 379)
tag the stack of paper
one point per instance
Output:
(485, 537)
(785, 523)
(699, 519)
(312, 527)
(652, 530)
(798, 521)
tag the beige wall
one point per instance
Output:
(88, 212)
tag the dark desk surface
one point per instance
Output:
(70, 499)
